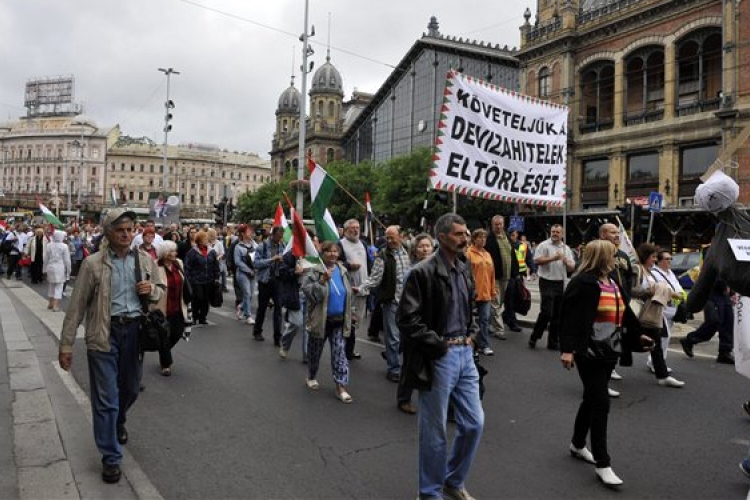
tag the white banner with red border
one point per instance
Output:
(501, 145)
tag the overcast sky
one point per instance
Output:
(233, 64)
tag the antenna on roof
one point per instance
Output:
(328, 52)
(292, 66)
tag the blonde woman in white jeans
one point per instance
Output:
(662, 273)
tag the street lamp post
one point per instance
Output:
(302, 160)
(168, 105)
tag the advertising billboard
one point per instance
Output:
(46, 91)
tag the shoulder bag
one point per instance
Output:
(606, 345)
(154, 332)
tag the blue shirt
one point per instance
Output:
(125, 300)
(336, 294)
(458, 305)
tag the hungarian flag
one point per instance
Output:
(51, 217)
(322, 186)
(279, 220)
(300, 243)
(368, 216)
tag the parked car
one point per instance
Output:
(685, 266)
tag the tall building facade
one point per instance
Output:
(329, 117)
(404, 112)
(656, 90)
(200, 175)
(56, 160)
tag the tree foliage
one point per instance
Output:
(398, 188)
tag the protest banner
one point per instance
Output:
(497, 144)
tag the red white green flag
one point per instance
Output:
(279, 220)
(300, 243)
(322, 186)
(51, 217)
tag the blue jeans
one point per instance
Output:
(115, 378)
(295, 323)
(392, 337)
(484, 309)
(247, 286)
(455, 379)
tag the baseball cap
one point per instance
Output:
(114, 216)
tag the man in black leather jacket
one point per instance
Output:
(434, 317)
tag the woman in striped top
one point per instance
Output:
(591, 338)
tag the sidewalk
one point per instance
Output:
(50, 450)
(679, 331)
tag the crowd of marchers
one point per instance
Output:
(434, 301)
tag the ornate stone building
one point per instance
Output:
(200, 175)
(55, 160)
(656, 89)
(329, 116)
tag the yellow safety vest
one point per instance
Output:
(521, 257)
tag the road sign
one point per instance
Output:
(641, 201)
(516, 223)
(655, 201)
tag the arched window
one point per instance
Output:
(320, 108)
(597, 96)
(699, 72)
(330, 109)
(644, 86)
(544, 83)
(330, 155)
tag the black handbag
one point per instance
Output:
(187, 290)
(610, 346)
(154, 332)
(215, 294)
(682, 315)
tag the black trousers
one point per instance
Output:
(550, 311)
(176, 327)
(509, 310)
(266, 292)
(13, 265)
(201, 293)
(657, 354)
(593, 413)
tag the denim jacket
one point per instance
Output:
(265, 267)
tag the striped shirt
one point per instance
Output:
(611, 306)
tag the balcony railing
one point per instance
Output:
(698, 107)
(644, 117)
(586, 127)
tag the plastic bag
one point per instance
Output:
(718, 193)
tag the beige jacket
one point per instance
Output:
(162, 303)
(92, 299)
(317, 305)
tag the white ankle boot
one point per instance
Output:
(607, 476)
(582, 454)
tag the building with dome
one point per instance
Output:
(329, 115)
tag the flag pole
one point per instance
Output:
(355, 199)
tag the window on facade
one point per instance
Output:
(59, 170)
(151, 168)
(699, 71)
(93, 171)
(597, 96)
(320, 108)
(95, 152)
(596, 172)
(131, 195)
(192, 199)
(140, 196)
(644, 81)
(132, 167)
(142, 168)
(112, 167)
(122, 167)
(150, 183)
(331, 109)
(694, 160)
(544, 82)
(192, 186)
(643, 167)
(330, 154)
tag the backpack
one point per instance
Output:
(6, 245)
(231, 266)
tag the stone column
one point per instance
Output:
(670, 77)
(619, 91)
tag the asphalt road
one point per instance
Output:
(235, 421)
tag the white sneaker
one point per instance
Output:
(671, 382)
(250, 320)
(613, 393)
(239, 313)
(283, 353)
(615, 376)
(608, 476)
(488, 351)
(313, 384)
(582, 454)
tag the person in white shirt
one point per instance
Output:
(554, 260)
(217, 246)
(138, 238)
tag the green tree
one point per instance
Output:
(357, 180)
(262, 203)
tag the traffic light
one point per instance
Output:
(625, 214)
(230, 212)
(219, 213)
(168, 105)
